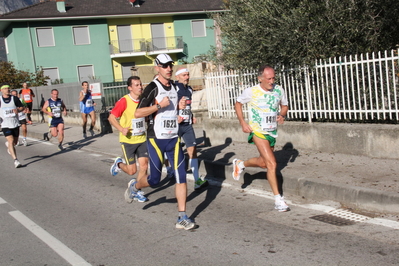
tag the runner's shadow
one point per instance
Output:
(38, 158)
(283, 157)
(211, 194)
(164, 184)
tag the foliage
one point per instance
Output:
(15, 77)
(296, 32)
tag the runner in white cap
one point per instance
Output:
(186, 130)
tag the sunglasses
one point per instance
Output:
(166, 65)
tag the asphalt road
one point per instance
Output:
(64, 208)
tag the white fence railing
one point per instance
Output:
(353, 88)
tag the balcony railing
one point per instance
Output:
(139, 46)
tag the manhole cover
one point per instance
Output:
(331, 219)
(340, 217)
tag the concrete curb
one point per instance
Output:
(363, 199)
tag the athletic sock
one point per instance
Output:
(277, 197)
(182, 214)
(194, 168)
(134, 188)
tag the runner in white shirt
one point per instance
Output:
(267, 107)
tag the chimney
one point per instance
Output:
(61, 6)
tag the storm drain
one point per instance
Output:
(340, 217)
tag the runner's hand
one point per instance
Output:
(182, 103)
(246, 128)
(165, 102)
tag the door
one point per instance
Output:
(127, 70)
(125, 38)
(158, 36)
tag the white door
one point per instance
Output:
(125, 39)
(158, 36)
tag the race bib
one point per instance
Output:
(269, 121)
(27, 97)
(138, 127)
(185, 113)
(169, 127)
(56, 112)
(89, 103)
(8, 112)
(21, 115)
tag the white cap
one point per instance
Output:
(183, 70)
(163, 59)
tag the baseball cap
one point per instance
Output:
(163, 59)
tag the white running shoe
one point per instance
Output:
(237, 170)
(17, 164)
(280, 205)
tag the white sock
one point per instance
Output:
(277, 197)
(194, 167)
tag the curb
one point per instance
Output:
(359, 198)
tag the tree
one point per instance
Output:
(15, 77)
(297, 32)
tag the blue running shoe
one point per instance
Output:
(131, 195)
(185, 223)
(115, 168)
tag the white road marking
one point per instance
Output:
(317, 207)
(96, 155)
(2, 201)
(62, 250)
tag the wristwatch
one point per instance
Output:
(159, 106)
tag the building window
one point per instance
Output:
(81, 35)
(198, 28)
(86, 73)
(45, 37)
(52, 73)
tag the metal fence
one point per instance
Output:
(354, 88)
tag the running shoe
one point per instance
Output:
(131, 195)
(84, 135)
(114, 167)
(142, 198)
(280, 205)
(60, 148)
(237, 170)
(200, 183)
(185, 223)
(7, 147)
(24, 142)
(92, 132)
(17, 164)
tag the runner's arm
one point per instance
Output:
(244, 125)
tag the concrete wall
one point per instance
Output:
(372, 140)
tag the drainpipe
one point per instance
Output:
(61, 6)
(32, 49)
